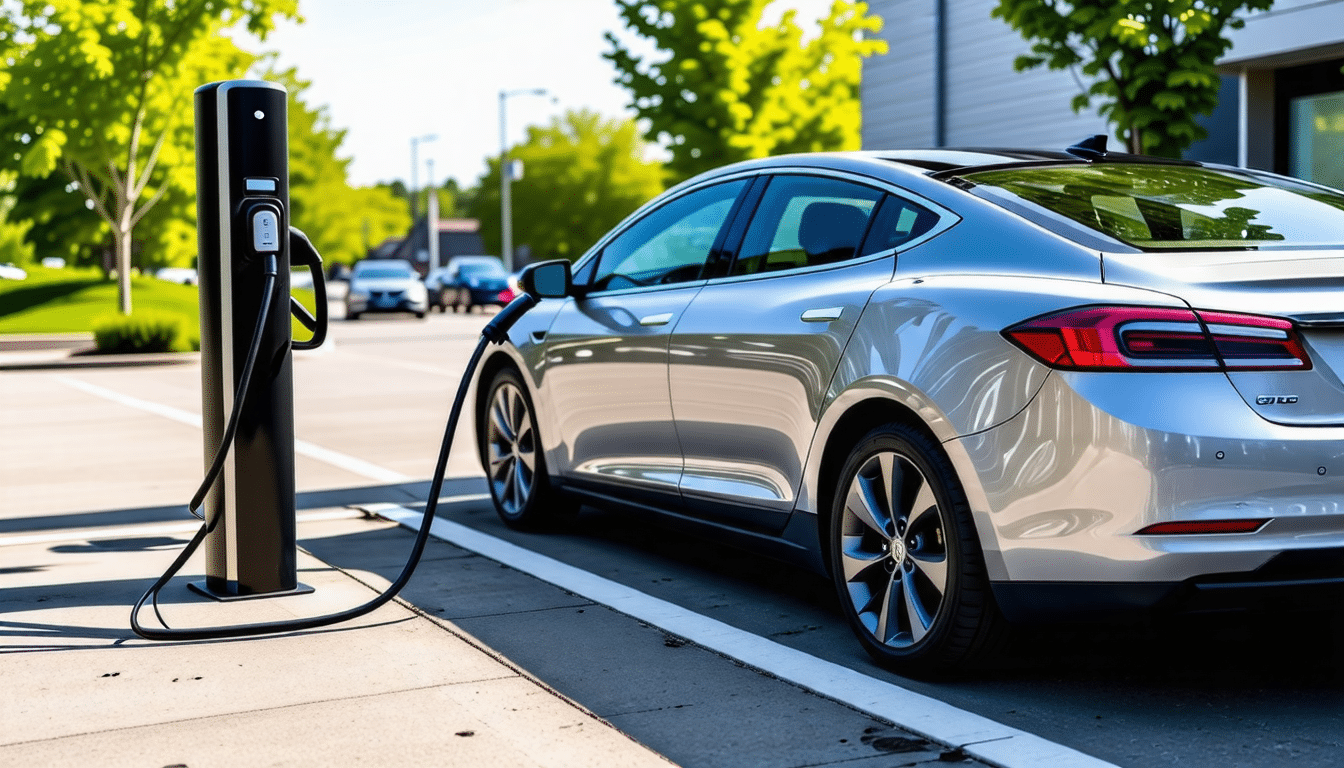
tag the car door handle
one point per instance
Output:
(661, 319)
(825, 315)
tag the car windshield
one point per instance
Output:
(482, 269)
(383, 273)
(1159, 207)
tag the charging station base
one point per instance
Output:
(201, 588)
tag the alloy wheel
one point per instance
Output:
(893, 550)
(511, 448)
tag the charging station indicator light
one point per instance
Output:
(260, 185)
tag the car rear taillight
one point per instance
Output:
(1160, 339)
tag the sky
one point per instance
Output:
(392, 70)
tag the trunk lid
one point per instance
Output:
(1305, 286)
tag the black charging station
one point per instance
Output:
(247, 247)
(242, 216)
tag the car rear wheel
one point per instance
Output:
(905, 558)
(512, 455)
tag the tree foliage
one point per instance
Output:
(100, 90)
(14, 247)
(582, 175)
(723, 86)
(1150, 61)
(342, 221)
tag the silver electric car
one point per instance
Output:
(971, 385)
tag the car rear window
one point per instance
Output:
(483, 269)
(1160, 207)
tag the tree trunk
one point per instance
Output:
(124, 269)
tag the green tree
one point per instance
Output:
(582, 175)
(58, 223)
(723, 86)
(342, 221)
(1150, 61)
(14, 247)
(101, 90)
(449, 192)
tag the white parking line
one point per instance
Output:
(985, 739)
(349, 463)
(152, 529)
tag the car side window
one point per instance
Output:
(670, 245)
(898, 222)
(805, 221)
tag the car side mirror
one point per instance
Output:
(547, 279)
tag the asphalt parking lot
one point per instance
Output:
(1237, 690)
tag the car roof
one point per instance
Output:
(945, 162)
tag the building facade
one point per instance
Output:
(948, 80)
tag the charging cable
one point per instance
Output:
(495, 331)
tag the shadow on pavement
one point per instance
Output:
(399, 493)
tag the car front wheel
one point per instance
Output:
(905, 558)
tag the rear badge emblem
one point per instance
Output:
(1275, 399)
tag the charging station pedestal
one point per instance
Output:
(242, 218)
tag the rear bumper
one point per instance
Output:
(1060, 491)
(1302, 580)
(483, 296)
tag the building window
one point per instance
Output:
(1316, 138)
(1310, 107)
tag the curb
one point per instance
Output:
(40, 361)
(32, 342)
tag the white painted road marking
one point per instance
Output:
(980, 737)
(302, 447)
(152, 529)
(985, 739)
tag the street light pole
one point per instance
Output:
(506, 177)
(415, 141)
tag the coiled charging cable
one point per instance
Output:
(495, 331)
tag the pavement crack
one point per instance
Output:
(646, 711)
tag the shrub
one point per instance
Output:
(141, 332)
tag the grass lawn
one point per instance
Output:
(72, 300)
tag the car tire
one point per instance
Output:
(910, 575)
(419, 315)
(351, 315)
(511, 452)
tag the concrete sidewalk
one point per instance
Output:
(394, 688)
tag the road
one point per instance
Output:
(1264, 690)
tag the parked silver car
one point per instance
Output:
(970, 385)
(385, 285)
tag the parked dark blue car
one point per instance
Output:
(469, 281)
